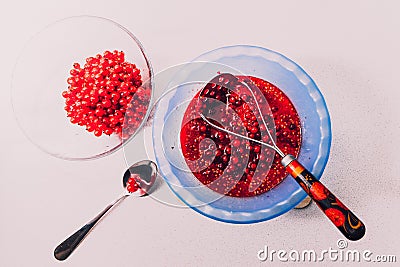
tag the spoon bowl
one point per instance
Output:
(147, 171)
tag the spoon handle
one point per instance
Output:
(343, 218)
(68, 246)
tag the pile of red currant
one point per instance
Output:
(106, 95)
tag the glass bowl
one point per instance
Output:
(314, 152)
(40, 77)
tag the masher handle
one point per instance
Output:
(343, 218)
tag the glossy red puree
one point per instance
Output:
(228, 164)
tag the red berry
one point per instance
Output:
(235, 160)
(108, 131)
(122, 102)
(99, 112)
(253, 129)
(106, 103)
(97, 133)
(236, 143)
(65, 94)
(90, 127)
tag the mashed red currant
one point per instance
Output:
(231, 165)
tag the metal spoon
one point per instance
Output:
(146, 170)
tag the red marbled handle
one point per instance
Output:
(344, 219)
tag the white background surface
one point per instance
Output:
(350, 49)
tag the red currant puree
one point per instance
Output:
(231, 165)
(106, 95)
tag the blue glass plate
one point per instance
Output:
(314, 152)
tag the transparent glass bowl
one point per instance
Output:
(40, 77)
(315, 147)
